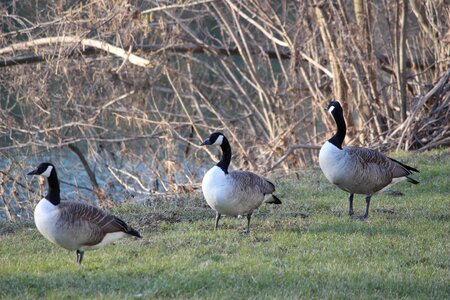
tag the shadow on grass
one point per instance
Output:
(212, 282)
(350, 227)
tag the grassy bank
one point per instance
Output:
(307, 248)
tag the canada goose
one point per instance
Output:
(75, 225)
(237, 192)
(358, 170)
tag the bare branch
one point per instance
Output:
(132, 58)
(290, 150)
(184, 5)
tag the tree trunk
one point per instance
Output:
(362, 15)
(340, 87)
(100, 194)
(401, 57)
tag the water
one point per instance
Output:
(75, 183)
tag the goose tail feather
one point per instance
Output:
(273, 200)
(134, 232)
(412, 180)
(409, 168)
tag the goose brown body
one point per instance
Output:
(78, 226)
(235, 193)
(361, 170)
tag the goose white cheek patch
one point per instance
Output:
(330, 110)
(219, 140)
(47, 172)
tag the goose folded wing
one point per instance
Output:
(94, 218)
(370, 159)
(251, 182)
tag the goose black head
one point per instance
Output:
(334, 107)
(44, 169)
(215, 138)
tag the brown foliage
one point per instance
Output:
(137, 85)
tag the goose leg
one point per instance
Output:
(362, 218)
(79, 256)
(249, 216)
(350, 200)
(217, 220)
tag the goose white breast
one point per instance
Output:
(332, 162)
(217, 190)
(46, 216)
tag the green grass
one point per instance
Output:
(306, 248)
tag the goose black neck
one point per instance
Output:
(53, 189)
(339, 137)
(224, 163)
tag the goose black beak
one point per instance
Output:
(34, 172)
(206, 142)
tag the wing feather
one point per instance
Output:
(373, 161)
(94, 217)
(251, 182)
